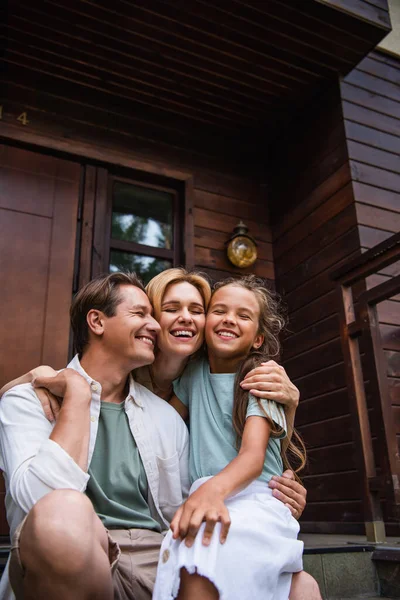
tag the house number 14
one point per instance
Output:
(22, 118)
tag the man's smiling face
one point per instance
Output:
(132, 332)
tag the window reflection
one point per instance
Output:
(142, 215)
(145, 266)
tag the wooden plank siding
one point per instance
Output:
(314, 228)
(201, 94)
(371, 108)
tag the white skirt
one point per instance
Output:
(257, 560)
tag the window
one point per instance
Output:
(144, 228)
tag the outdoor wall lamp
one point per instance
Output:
(241, 247)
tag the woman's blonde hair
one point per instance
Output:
(157, 287)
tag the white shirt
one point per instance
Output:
(34, 465)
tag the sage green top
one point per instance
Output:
(118, 484)
(209, 397)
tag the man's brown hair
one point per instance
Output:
(102, 293)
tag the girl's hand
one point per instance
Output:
(205, 504)
(290, 492)
(270, 381)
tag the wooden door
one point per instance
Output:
(39, 197)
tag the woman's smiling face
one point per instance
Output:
(182, 320)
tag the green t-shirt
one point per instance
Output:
(118, 484)
(209, 397)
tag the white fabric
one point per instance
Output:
(33, 465)
(257, 560)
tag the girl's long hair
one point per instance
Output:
(271, 323)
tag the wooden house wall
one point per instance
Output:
(314, 230)
(371, 108)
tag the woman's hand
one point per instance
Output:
(205, 504)
(290, 492)
(49, 402)
(270, 381)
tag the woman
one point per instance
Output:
(180, 300)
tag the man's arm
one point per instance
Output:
(36, 457)
(72, 429)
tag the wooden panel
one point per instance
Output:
(373, 216)
(373, 11)
(374, 176)
(325, 381)
(329, 487)
(208, 238)
(318, 309)
(328, 233)
(372, 137)
(372, 113)
(376, 196)
(86, 245)
(326, 512)
(390, 337)
(320, 356)
(365, 116)
(220, 183)
(222, 222)
(389, 312)
(328, 254)
(387, 105)
(226, 205)
(61, 271)
(327, 188)
(327, 433)
(332, 459)
(394, 389)
(396, 413)
(323, 407)
(101, 235)
(373, 156)
(323, 331)
(207, 257)
(25, 244)
(37, 261)
(322, 283)
(321, 215)
(24, 187)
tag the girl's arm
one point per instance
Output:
(50, 403)
(270, 381)
(207, 502)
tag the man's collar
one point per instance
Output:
(95, 386)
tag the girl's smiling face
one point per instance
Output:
(182, 320)
(232, 323)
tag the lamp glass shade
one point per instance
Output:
(242, 251)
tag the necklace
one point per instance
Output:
(159, 391)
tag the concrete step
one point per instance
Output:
(349, 568)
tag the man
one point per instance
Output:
(132, 464)
(140, 449)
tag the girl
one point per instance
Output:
(229, 488)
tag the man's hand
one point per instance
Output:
(271, 382)
(290, 492)
(205, 504)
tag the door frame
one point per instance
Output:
(92, 152)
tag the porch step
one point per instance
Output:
(349, 568)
